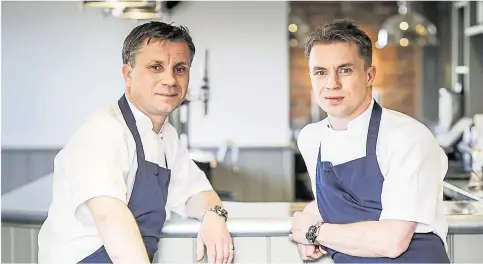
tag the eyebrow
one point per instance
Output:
(181, 63)
(343, 65)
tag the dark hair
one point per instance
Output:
(154, 30)
(342, 31)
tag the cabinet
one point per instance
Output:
(467, 53)
(467, 248)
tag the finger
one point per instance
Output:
(310, 251)
(321, 250)
(220, 248)
(226, 251)
(232, 252)
(200, 249)
(302, 251)
(317, 254)
(211, 252)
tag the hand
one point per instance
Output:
(215, 236)
(310, 252)
(301, 222)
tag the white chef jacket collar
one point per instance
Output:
(143, 122)
(359, 123)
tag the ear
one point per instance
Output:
(371, 75)
(126, 73)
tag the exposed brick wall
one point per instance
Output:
(398, 75)
(300, 87)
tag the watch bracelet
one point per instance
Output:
(313, 232)
(220, 211)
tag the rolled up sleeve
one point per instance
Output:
(96, 161)
(413, 184)
(187, 179)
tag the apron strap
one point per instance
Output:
(131, 124)
(319, 156)
(373, 129)
(166, 160)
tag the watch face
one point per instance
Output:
(220, 211)
(310, 235)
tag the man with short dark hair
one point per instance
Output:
(376, 173)
(124, 169)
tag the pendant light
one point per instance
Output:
(152, 10)
(407, 28)
(299, 31)
(115, 4)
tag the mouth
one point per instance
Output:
(334, 98)
(167, 95)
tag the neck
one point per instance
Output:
(157, 120)
(340, 123)
(158, 123)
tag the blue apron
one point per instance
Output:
(351, 192)
(148, 197)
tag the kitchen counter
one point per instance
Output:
(256, 225)
(29, 205)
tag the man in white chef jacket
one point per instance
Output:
(376, 173)
(124, 169)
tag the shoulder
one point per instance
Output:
(402, 135)
(104, 128)
(310, 136)
(311, 132)
(398, 127)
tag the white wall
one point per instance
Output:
(60, 63)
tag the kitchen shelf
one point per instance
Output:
(461, 69)
(459, 4)
(474, 30)
(467, 53)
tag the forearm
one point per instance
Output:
(384, 238)
(312, 208)
(118, 230)
(199, 203)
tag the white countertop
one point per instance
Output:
(29, 205)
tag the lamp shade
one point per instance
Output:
(407, 28)
(138, 13)
(115, 4)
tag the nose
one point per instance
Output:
(168, 78)
(333, 81)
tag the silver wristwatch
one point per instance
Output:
(313, 232)
(219, 211)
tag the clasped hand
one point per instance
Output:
(301, 222)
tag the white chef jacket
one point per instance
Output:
(410, 159)
(100, 160)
